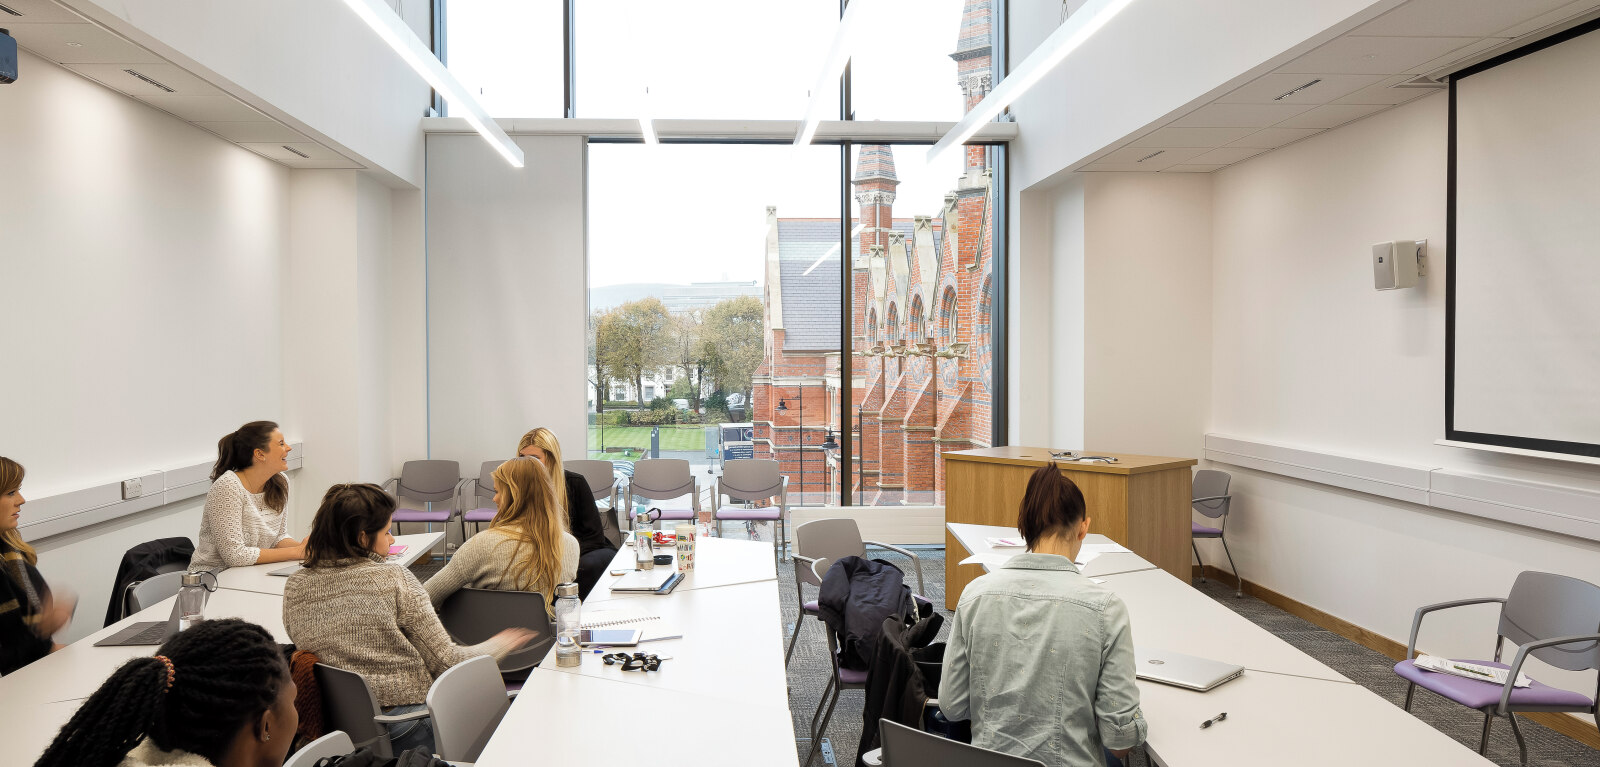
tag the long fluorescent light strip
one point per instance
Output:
(832, 70)
(1061, 43)
(382, 20)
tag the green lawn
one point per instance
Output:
(638, 437)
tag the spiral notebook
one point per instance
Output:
(651, 627)
(612, 620)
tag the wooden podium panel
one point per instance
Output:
(1140, 501)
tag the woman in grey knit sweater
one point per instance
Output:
(356, 611)
(527, 546)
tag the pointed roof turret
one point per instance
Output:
(875, 162)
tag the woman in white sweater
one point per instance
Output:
(244, 523)
(527, 546)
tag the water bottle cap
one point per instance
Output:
(194, 579)
(567, 590)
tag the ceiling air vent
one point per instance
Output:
(148, 81)
(1420, 81)
(5, 9)
(295, 151)
(1152, 154)
(1289, 93)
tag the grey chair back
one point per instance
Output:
(154, 589)
(349, 705)
(335, 743)
(601, 476)
(1548, 606)
(750, 479)
(1210, 484)
(485, 482)
(430, 481)
(907, 747)
(826, 540)
(474, 615)
(661, 479)
(466, 704)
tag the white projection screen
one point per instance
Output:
(1523, 305)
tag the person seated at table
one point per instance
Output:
(357, 612)
(30, 613)
(527, 546)
(243, 523)
(215, 695)
(1040, 658)
(595, 552)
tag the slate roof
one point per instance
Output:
(811, 301)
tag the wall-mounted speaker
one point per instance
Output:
(1398, 264)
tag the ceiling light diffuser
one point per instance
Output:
(832, 69)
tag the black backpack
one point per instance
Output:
(364, 757)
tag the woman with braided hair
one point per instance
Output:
(215, 695)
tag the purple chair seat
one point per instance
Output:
(759, 515)
(480, 515)
(1475, 694)
(810, 607)
(1195, 528)
(677, 514)
(418, 515)
(852, 676)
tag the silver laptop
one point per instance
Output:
(144, 632)
(1182, 670)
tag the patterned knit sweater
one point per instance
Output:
(374, 618)
(481, 563)
(236, 525)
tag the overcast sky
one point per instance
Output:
(697, 212)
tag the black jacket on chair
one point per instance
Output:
(857, 595)
(899, 684)
(146, 560)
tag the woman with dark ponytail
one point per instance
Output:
(216, 695)
(244, 523)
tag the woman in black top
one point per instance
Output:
(29, 614)
(594, 551)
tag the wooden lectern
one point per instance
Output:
(1140, 501)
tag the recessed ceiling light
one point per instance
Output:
(74, 45)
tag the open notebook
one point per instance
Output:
(650, 626)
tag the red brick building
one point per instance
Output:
(920, 325)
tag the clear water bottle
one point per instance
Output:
(568, 624)
(644, 548)
(192, 599)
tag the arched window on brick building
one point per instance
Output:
(983, 348)
(891, 327)
(872, 326)
(949, 320)
(918, 321)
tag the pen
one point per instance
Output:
(658, 639)
(1213, 720)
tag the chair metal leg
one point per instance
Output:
(794, 638)
(816, 735)
(1198, 559)
(1522, 745)
(1483, 745)
(1238, 582)
(1411, 689)
(814, 716)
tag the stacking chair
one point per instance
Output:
(466, 702)
(335, 743)
(907, 747)
(819, 543)
(154, 589)
(1553, 618)
(602, 478)
(661, 479)
(422, 485)
(349, 705)
(479, 495)
(474, 615)
(1212, 499)
(745, 480)
(840, 678)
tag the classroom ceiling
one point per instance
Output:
(55, 33)
(1388, 61)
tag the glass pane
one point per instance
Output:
(509, 53)
(715, 59)
(924, 256)
(714, 293)
(922, 59)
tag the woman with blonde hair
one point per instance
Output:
(527, 546)
(29, 613)
(583, 519)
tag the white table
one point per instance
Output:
(579, 720)
(717, 562)
(259, 578)
(973, 538)
(27, 729)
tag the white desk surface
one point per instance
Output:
(1274, 718)
(571, 719)
(28, 730)
(258, 578)
(77, 670)
(732, 645)
(972, 538)
(717, 562)
(1169, 614)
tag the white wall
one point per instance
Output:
(141, 259)
(506, 296)
(1307, 353)
(309, 63)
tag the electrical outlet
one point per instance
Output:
(132, 488)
